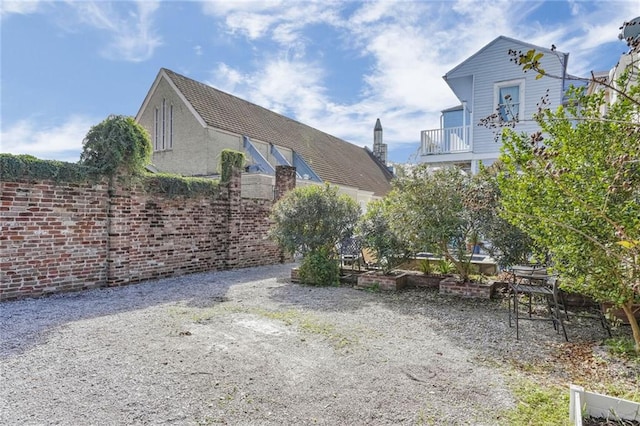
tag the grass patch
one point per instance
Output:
(538, 404)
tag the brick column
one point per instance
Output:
(285, 180)
(234, 200)
(118, 234)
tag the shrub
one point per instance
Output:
(116, 143)
(319, 268)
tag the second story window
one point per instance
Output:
(509, 96)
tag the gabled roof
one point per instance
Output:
(334, 160)
(509, 39)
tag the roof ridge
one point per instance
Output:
(209, 87)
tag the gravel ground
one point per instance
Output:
(248, 347)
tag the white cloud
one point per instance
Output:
(20, 7)
(54, 142)
(411, 45)
(132, 35)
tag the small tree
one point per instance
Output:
(427, 210)
(312, 220)
(377, 235)
(116, 143)
(574, 187)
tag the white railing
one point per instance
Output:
(445, 141)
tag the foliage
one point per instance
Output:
(116, 143)
(622, 346)
(312, 217)
(180, 186)
(574, 187)
(229, 160)
(27, 167)
(377, 235)
(508, 245)
(427, 210)
(445, 267)
(319, 268)
(426, 267)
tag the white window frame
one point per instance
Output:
(156, 129)
(170, 127)
(510, 83)
(164, 126)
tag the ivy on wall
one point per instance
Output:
(180, 186)
(26, 167)
(117, 147)
(229, 160)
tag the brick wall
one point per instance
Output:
(57, 237)
(52, 238)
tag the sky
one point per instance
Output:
(334, 65)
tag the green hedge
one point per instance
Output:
(26, 167)
(179, 186)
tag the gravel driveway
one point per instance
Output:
(248, 347)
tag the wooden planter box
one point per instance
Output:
(590, 404)
(389, 282)
(451, 286)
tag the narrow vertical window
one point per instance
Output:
(164, 125)
(156, 132)
(171, 126)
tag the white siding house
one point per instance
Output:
(481, 84)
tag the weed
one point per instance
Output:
(623, 346)
(373, 288)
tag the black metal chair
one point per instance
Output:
(533, 282)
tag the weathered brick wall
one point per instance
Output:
(57, 238)
(53, 238)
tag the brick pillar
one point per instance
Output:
(119, 233)
(234, 199)
(285, 180)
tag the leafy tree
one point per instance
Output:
(574, 187)
(376, 234)
(427, 210)
(116, 143)
(313, 220)
(507, 244)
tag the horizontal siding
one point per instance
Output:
(491, 66)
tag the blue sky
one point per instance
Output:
(334, 65)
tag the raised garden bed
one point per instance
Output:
(590, 408)
(451, 286)
(422, 280)
(377, 280)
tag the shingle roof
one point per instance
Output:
(334, 160)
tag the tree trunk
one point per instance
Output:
(635, 329)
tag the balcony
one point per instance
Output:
(445, 141)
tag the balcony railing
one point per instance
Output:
(445, 141)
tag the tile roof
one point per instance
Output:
(334, 160)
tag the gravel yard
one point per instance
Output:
(249, 347)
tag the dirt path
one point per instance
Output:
(248, 347)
